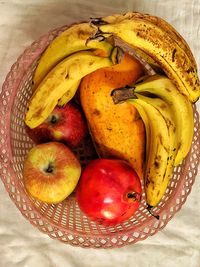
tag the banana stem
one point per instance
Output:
(97, 21)
(98, 34)
(149, 207)
(122, 94)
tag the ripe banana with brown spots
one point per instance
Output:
(168, 29)
(160, 42)
(61, 79)
(181, 108)
(72, 40)
(160, 157)
(169, 125)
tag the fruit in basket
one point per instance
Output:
(72, 40)
(109, 191)
(60, 80)
(160, 157)
(117, 130)
(65, 124)
(87, 228)
(169, 123)
(180, 107)
(51, 172)
(159, 41)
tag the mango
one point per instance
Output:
(117, 130)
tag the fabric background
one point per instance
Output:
(22, 245)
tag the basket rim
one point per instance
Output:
(7, 146)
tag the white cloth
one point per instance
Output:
(21, 244)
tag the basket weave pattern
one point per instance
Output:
(65, 221)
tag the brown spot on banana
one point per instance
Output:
(161, 142)
(156, 164)
(163, 106)
(158, 193)
(190, 69)
(83, 34)
(150, 183)
(164, 175)
(157, 161)
(38, 113)
(173, 54)
(168, 123)
(91, 63)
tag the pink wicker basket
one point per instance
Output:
(65, 221)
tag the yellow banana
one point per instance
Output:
(69, 94)
(181, 109)
(59, 80)
(158, 43)
(164, 25)
(70, 41)
(159, 162)
(168, 116)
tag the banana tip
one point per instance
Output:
(149, 207)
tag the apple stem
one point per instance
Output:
(49, 168)
(134, 195)
(149, 207)
(53, 119)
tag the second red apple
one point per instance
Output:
(65, 124)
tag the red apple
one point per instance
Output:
(51, 172)
(65, 124)
(109, 191)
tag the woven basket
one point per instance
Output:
(65, 221)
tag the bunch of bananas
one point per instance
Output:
(163, 101)
(61, 67)
(169, 125)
